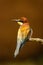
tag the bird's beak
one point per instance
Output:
(16, 20)
(19, 21)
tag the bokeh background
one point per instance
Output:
(9, 9)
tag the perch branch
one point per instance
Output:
(36, 39)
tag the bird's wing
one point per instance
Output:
(25, 30)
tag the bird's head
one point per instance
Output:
(22, 20)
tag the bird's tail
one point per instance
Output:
(18, 46)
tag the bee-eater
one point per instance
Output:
(24, 33)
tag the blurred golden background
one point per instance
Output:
(9, 9)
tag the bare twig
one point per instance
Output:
(36, 39)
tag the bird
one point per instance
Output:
(23, 35)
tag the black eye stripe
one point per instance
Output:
(21, 21)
